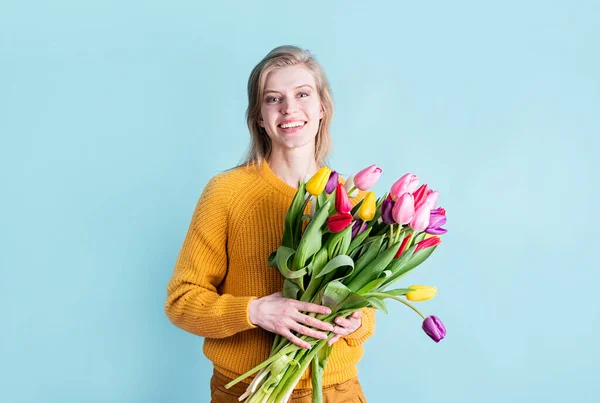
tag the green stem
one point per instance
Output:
(260, 366)
(377, 294)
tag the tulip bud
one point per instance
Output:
(342, 201)
(368, 208)
(436, 220)
(331, 183)
(349, 185)
(420, 195)
(386, 211)
(365, 179)
(316, 184)
(420, 220)
(432, 197)
(406, 184)
(433, 326)
(428, 243)
(421, 293)
(339, 222)
(358, 228)
(404, 209)
(405, 242)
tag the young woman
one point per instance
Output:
(222, 288)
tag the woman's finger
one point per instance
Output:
(333, 340)
(310, 307)
(307, 331)
(314, 322)
(343, 322)
(296, 340)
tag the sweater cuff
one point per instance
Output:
(237, 318)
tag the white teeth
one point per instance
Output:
(292, 124)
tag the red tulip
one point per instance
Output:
(405, 242)
(339, 222)
(428, 243)
(420, 194)
(342, 201)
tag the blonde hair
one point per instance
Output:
(285, 56)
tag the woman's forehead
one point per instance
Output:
(289, 78)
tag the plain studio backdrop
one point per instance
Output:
(114, 115)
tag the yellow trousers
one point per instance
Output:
(345, 392)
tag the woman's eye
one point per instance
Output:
(303, 95)
(272, 99)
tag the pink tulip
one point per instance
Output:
(404, 209)
(420, 220)
(432, 197)
(406, 184)
(365, 179)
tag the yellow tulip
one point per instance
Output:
(317, 183)
(368, 207)
(421, 292)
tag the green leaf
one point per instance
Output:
(334, 294)
(415, 259)
(339, 242)
(374, 269)
(290, 289)
(282, 259)
(312, 238)
(367, 258)
(292, 220)
(396, 292)
(357, 241)
(321, 200)
(377, 303)
(373, 285)
(335, 263)
(272, 262)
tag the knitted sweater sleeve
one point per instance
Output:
(193, 302)
(365, 331)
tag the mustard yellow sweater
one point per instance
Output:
(222, 266)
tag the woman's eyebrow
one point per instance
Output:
(300, 86)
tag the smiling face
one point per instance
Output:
(291, 108)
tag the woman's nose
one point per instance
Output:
(288, 106)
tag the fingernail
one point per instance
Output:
(327, 311)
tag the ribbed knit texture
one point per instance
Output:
(222, 266)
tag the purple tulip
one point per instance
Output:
(386, 211)
(331, 183)
(358, 227)
(433, 326)
(437, 218)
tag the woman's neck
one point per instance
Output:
(292, 166)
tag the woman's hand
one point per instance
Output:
(284, 315)
(346, 326)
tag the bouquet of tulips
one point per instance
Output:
(346, 258)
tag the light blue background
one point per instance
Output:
(114, 115)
